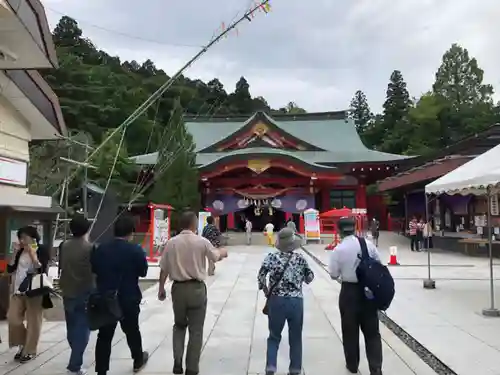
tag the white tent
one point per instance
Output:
(480, 176)
(474, 177)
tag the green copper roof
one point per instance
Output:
(329, 131)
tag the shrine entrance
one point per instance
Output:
(261, 216)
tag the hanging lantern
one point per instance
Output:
(271, 211)
(256, 211)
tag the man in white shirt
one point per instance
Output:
(356, 310)
(269, 230)
(248, 231)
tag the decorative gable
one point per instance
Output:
(261, 134)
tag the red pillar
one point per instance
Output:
(288, 215)
(302, 225)
(230, 220)
(361, 196)
(325, 200)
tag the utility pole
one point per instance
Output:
(85, 192)
(86, 167)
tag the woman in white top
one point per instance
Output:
(28, 257)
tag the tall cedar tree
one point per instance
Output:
(395, 115)
(467, 101)
(360, 111)
(176, 178)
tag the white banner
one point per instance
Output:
(13, 172)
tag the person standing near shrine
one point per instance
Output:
(118, 264)
(357, 311)
(76, 282)
(184, 262)
(375, 230)
(287, 271)
(29, 257)
(269, 233)
(248, 231)
(213, 234)
(412, 231)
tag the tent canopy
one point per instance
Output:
(473, 177)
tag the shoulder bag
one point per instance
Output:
(265, 309)
(103, 307)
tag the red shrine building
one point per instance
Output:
(270, 168)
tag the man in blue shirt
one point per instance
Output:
(118, 264)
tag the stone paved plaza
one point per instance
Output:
(235, 331)
(447, 320)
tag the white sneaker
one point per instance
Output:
(79, 372)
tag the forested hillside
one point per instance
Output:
(98, 92)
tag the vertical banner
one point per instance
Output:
(202, 220)
(311, 224)
(160, 228)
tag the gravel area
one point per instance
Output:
(427, 356)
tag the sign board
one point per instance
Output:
(202, 220)
(311, 224)
(160, 234)
(13, 172)
(494, 205)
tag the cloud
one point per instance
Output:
(314, 53)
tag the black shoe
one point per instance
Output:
(26, 358)
(190, 372)
(19, 354)
(140, 363)
(352, 370)
(178, 369)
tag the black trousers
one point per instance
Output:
(130, 326)
(414, 245)
(357, 313)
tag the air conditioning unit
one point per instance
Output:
(7, 55)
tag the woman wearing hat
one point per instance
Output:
(287, 271)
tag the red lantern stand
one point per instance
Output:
(154, 253)
(329, 220)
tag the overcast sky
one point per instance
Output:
(316, 53)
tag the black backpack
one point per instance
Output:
(376, 277)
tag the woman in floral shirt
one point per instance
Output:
(286, 300)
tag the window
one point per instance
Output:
(342, 198)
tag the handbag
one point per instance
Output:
(35, 285)
(103, 308)
(265, 309)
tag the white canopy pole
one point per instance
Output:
(491, 311)
(429, 283)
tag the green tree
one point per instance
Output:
(360, 111)
(176, 178)
(459, 80)
(396, 110)
(467, 101)
(112, 160)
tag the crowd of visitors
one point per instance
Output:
(100, 289)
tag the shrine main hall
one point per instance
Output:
(270, 168)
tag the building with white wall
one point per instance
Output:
(29, 109)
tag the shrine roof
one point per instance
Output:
(311, 157)
(331, 138)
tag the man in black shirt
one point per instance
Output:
(213, 234)
(118, 264)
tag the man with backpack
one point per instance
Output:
(365, 289)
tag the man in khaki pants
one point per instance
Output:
(184, 261)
